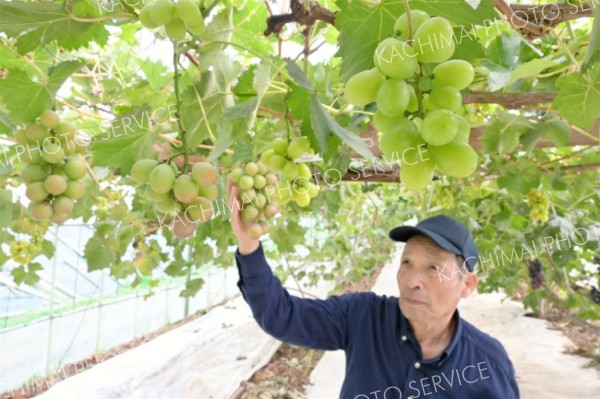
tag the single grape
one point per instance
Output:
(75, 189)
(301, 198)
(36, 132)
(304, 171)
(262, 168)
(249, 213)
(49, 119)
(393, 97)
(140, 171)
(434, 41)
(403, 143)
(146, 17)
(156, 196)
(385, 123)
(260, 201)
(182, 228)
(75, 168)
(297, 147)
(169, 206)
(251, 168)
(454, 73)
(246, 182)
(277, 162)
(290, 170)
(446, 98)
(199, 211)
(32, 174)
(55, 184)
(255, 230)
(210, 193)
(259, 181)
(162, 12)
(196, 29)
(188, 11)
(63, 204)
(247, 196)
(418, 17)
(41, 211)
(280, 146)
(185, 189)
(205, 174)
(236, 174)
(439, 127)
(271, 209)
(59, 218)
(36, 192)
(66, 131)
(175, 29)
(418, 176)
(162, 178)
(395, 59)
(52, 152)
(361, 89)
(21, 137)
(413, 101)
(313, 190)
(266, 156)
(456, 158)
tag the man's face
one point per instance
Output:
(431, 281)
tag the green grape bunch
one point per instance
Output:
(177, 18)
(294, 177)
(53, 152)
(256, 193)
(184, 197)
(419, 124)
(539, 204)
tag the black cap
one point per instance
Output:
(449, 234)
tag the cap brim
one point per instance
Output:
(403, 233)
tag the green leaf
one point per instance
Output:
(10, 210)
(551, 128)
(323, 123)
(25, 99)
(101, 251)
(29, 276)
(579, 98)
(131, 139)
(192, 287)
(298, 75)
(361, 28)
(502, 135)
(468, 47)
(592, 55)
(248, 26)
(38, 24)
(530, 69)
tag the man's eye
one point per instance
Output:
(433, 267)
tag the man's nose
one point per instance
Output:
(413, 279)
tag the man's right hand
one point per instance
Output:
(247, 244)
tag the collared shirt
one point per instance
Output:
(383, 358)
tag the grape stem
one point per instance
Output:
(182, 133)
(409, 20)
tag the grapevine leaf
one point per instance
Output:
(593, 51)
(192, 287)
(358, 39)
(29, 277)
(502, 135)
(467, 47)
(100, 251)
(10, 210)
(298, 75)
(356, 21)
(323, 123)
(579, 97)
(25, 99)
(551, 128)
(248, 23)
(45, 22)
(131, 140)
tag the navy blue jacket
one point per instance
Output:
(383, 358)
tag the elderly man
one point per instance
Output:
(412, 346)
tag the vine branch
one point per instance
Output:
(300, 14)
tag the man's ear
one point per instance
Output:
(469, 284)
